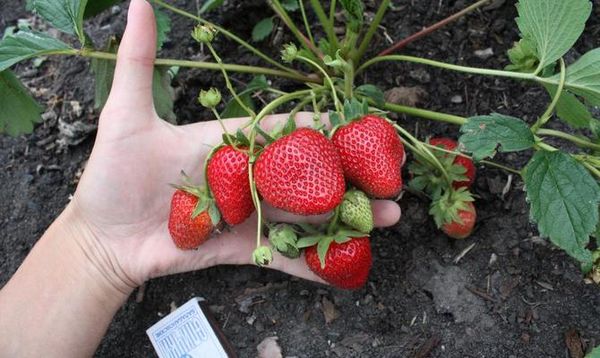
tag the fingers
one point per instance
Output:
(385, 213)
(132, 84)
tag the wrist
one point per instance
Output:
(92, 259)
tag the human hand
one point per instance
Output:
(121, 205)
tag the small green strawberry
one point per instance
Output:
(356, 211)
(283, 238)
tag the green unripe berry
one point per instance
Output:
(356, 212)
(283, 238)
(210, 98)
(262, 256)
(204, 33)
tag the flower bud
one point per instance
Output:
(210, 98)
(289, 53)
(204, 33)
(262, 256)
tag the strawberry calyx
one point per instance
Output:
(353, 109)
(283, 237)
(323, 241)
(431, 180)
(205, 201)
(446, 208)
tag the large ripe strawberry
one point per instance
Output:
(372, 155)
(301, 173)
(462, 228)
(347, 265)
(188, 231)
(450, 144)
(227, 175)
(455, 213)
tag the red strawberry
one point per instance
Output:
(347, 265)
(186, 231)
(372, 155)
(227, 176)
(450, 144)
(301, 173)
(464, 228)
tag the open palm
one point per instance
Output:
(123, 197)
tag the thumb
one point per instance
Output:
(132, 83)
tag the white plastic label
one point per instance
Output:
(185, 333)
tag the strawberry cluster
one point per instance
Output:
(304, 172)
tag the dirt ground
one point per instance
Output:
(511, 295)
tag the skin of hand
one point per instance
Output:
(113, 235)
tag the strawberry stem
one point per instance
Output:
(548, 114)
(336, 100)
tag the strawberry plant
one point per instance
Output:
(359, 153)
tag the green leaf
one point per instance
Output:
(95, 7)
(164, 94)
(233, 108)
(18, 111)
(553, 26)
(570, 109)
(290, 5)
(262, 29)
(583, 77)
(24, 45)
(210, 5)
(163, 27)
(372, 92)
(564, 200)
(595, 353)
(65, 15)
(483, 135)
(104, 71)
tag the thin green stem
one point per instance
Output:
(214, 110)
(348, 79)
(371, 31)
(592, 169)
(500, 166)
(326, 23)
(229, 34)
(465, 69)
(580, 142)
(306, 25)
(337, 103)
(306, 43)
(332, 6)
(548, 114)
(228, 82)
(423, 113)
(199, 64)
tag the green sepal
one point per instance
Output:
(323, 247)
(445, 209)
(268, 138)
(430, 180)
(309, 241)
(241, 138)
(262, 256)
(290, 126)
(523, 57)
(335, 119)
(283, 238)
(214, 213)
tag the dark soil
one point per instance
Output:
(511, 295)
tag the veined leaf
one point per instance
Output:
(233, 108)
(262, 29)
(18, 111)
(552, 25)
(24, 45)
(564, 200)
(163, 26)
(65, 15)
(483, 135)
(583, 77)
(570, 109)
(290, 5)
(372, 92)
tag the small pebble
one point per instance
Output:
(484, 54)
(456, 99)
